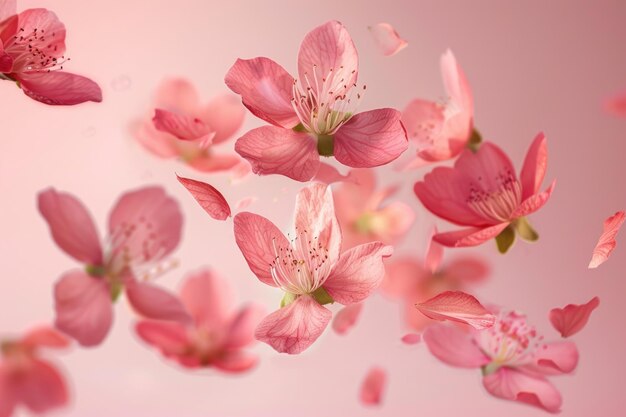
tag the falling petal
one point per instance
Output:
(411, 338)
(209, 198)
(245, 202)
(373, 386)
(387, 39)
(346, 318)
(571, 319)
(607, 242)
(457, 306)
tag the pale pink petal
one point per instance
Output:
(411, 338)
(235, 361)
(71, 226)
(371, 139)
(59, 88)
(392, 222)
(571, 319)
(8, 8)
(208, 298)
(510, 384)
(182, 126)
(156, 303)
(41, 388)
(158, 143)
(242, 327)
(424, 121)
(534, 202)
(606, 244)
(434, 253)
(373, 386)
(169, 338)
(83, 307)
(328, 174)
(617, 105)
(214, 162)
(469, 237)
(387, 39)
(209, 198)
(535, 166)
(346, 318)
(274, 150)
(177, 95)
(402, 278)
(265, 89)
(293, 328)
(225, 115)
(453, 346)
(467, 270)
(258, 240)
(456, 85)
(555, 358)
(245, 202)
(44, 336)
(358, 273)
(457, 306)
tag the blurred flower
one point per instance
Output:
(144, 227)
(483, 192)
(362, 214)
(310, 268)
(514, 360)
(27, 380)
(315, 115)
(32, 47)
(183, 127)
(217, 335)
(617, 105)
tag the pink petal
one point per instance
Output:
(8, 8)
(59, 88)
(44, 336)
(8, 398)
(41, 388)
(453, 346)
(555, 358)
(424, 121)
(177, 94)
(571, 319)
(182, 126)
(257, 239)
(468, 270)
(469, 237)
(346, 318)
(535, 166)
(71, 226)
(457, 306)
(265, 89)
(293, 328)
(83, 307)
(606, 244)
(225, 115)
(371, 139)
(242, 327)
(208, 298)
(534, 202)
(156, 303)
(358, 273)
(245, 202)
(373, 386)
(214, 162)
(158, 143)
(434, 253)
(411, 338)
(6, 60)
(151, 222)
(456, 85)
(169, 337)
(483, 167)
(402, 277)
(387, 39)
(209, 198)
(235, 361)
(617, 105)
(274, 150)
(509, 384)
(328, 55)
(328, 174)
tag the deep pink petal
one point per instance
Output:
(534, 202)
(411, 338)
(8, 397)
(242, 327)
(387, 39)
(358, 273)
(41, 388)
(208, 298)
(209, 198)
(373, 386)
(44, 336)
(274, 150)
(6, 60)
(293, 328)
(83, 307)
(235, 361)
(225, 115)
(606, 244)
(71, 226)
(457, 306)
(535, 166)
(555, 358)
(469, 237)
(156, 303)
(182, 126)
(453, 346)
(59, 88)
(571, 319)
(265, 89)
(346, 318)
(257, 239)
(169, 337)
(434, 253)
(509, 384)
(371, 139)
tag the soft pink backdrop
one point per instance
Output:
(533, 66)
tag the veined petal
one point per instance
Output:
(469, 237)
(59, 88)
(606, 244)
(44, 336)
(209, 198)
(457, 306)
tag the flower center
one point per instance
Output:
(497, 205)
(35, 51)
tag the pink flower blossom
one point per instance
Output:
(363, 214)
(181, 126)
(514, 359)
(32, 48)
(442, 131)
(28, 380)
(483, 193)
(313, 115)
(144, 228)
(311, 268)
(218, 333)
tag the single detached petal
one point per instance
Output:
(434, 253)
(535, 166)
(259, 239)
(346, 318)
(371, 139)
(607, 242)
(509, 384)
(209, 198)
(328, 174)
(182, 126)
(225, 115)
(457, 306)
(156, 303)
(266, 89)
(71, 226)
(83, 307)
(44, 336)
(169, 337)
(59, 88)
(240, 332)
(387, 39)
(245, 202)
(469, 237)
(373, 386)
(208, 298)
(411, 338)
(294, 328)
(571, 319)
(453, 346)
(41, 388)
(274, 150)
(617, 105)
(555, 358)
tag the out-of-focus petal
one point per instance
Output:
(434, 253)
(373, 386)
(182, 126)
(387, 39)
(411, 338)
(44, 336)
(169, 337)
(571, 319)
(209, 198)
(225, 115)
(328, 174)
(208, 298)
(41, 388)
(606, 244)
(241, 329)
(453, 346)
(156, 303)
(346, 318)
(235, 361)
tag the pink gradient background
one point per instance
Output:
(533, 66)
